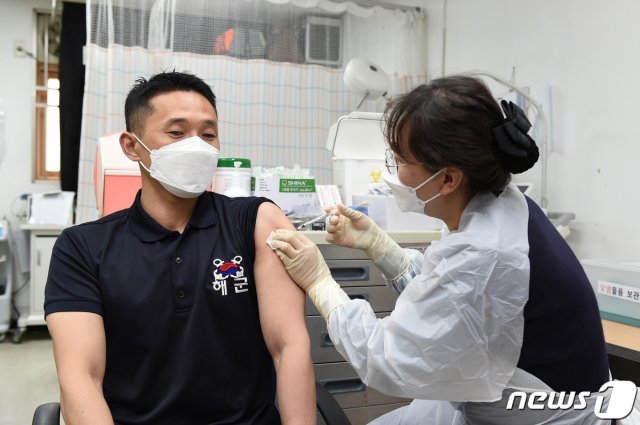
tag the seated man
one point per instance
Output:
(175, 311)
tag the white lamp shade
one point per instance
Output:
(364, 77)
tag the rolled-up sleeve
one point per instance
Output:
(415, 267)
(72, 283)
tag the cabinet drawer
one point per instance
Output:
(381, 298)
(355, 273)
(322, 349)
(335, 252)
(364, 415)
(342, 381)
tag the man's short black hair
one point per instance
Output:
(138, 104)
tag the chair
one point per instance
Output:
(47, 414)
(330, 410)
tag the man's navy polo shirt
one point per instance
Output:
(180, 311)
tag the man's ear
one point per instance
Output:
(128, 143)
(453, 179)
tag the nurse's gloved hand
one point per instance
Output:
(307, 268)
(353, 229)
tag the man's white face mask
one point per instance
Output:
(184, 168)
(406, 196)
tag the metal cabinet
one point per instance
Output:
(6, 276)
(42, 239)
(41, 249)
(360, 278)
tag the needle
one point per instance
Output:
(314, 220)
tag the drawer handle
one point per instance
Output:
(349, 273)
(339, 386)
(325, 339)
(359, 296)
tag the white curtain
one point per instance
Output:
(278, 91)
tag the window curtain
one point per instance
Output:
(278, 79)
(72, 39)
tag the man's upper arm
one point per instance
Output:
(73, 309)
(79, 345)
(280, 300)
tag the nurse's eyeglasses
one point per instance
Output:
(391, 161)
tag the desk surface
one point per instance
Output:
(621, 335)
(42, 227)
(402, 237)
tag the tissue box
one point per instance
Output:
(298, 195)
(385, 212)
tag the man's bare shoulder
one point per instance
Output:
(270, 214)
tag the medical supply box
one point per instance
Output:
(617, 287)
(297, 195)
(357, 146)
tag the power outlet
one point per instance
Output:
(19, 48)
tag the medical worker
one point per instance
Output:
(499, 304)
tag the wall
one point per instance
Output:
(17, 83)
(587, 52)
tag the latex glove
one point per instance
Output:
(307, 268)
(353, 229)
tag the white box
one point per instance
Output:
(298, 195)
(357, 144)
(355, 175)
(623, 275)
(385, 212)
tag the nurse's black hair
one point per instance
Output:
(451, 122)
(138, 104)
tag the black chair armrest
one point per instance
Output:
(329, 408)
(47, 414)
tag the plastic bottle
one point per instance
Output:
(233, 177)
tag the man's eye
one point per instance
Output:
(209, 136)
(176, 133)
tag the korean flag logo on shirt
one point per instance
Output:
(227, 273)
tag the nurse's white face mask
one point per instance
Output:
(184, 168)
(405, 196)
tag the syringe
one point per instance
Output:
(316, 219)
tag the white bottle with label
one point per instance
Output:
(233, 177)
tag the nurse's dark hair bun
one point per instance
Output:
(518, 151)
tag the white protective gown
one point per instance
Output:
(455, 335)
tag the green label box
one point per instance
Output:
(297, 185)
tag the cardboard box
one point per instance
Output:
(297, 195)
